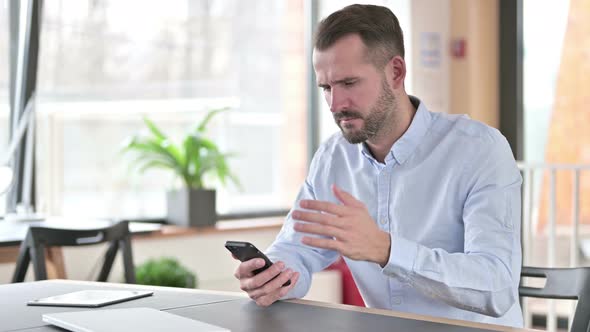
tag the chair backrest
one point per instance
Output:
(38, 238)
(565, 284)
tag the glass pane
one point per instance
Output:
(556, 120)
(401, 9)
(103, 66)
(4, 94)
(541, 69)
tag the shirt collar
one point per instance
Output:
(405, 145)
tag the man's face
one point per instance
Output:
(357, 93)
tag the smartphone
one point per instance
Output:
(245, 251)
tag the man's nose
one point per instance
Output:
(338, 100)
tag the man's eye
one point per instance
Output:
(349, 83)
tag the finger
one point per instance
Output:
(241, 275)
(278, 294)
(245, 269)
(320, 218)
(262, 278)
(268, 299)
(319, 230)
(321, 243)
(324, 206)
(265, 301)
(273, 285)
(287, 289)
(346, 198)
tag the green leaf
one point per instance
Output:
(194, 158)
(154, 164)
(154, 151)
(193, 162)
(203, 125)
(236, 181)
(166, 271)
(154, 129)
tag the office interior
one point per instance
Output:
(98, 68)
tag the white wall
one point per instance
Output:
(453, 83)
(429, 43)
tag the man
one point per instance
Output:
(424, 207)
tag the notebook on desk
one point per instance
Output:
(91, 298)
(127, 319)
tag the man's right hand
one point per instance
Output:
(262, 288)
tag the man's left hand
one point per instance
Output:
(350, 229)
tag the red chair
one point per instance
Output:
(350, 293)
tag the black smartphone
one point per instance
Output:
(245, 251)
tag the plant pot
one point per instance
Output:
(192, 208)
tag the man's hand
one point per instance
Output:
(351, 230)
(262, 288)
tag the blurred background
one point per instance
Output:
(520, 66)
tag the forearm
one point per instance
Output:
(302, 259)
(280, 253)
(474, 281)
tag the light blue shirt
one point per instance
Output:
(449, 196)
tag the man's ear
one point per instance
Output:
(396, 68)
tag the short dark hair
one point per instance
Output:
(377, 26)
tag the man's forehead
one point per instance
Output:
(330, 68)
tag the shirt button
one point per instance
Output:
(383, 221)
(397, 300)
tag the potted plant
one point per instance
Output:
(165, 271)
(190, 161)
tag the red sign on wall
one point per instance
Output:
(458, 48)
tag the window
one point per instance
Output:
(541, 69)
(555, 91)
(103, 65)
(4, 88)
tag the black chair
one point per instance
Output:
(563, 284)
(33, 248)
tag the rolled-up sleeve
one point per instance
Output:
(482, 278)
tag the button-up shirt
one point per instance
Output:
(448, 193)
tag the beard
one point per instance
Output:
(373, 123)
